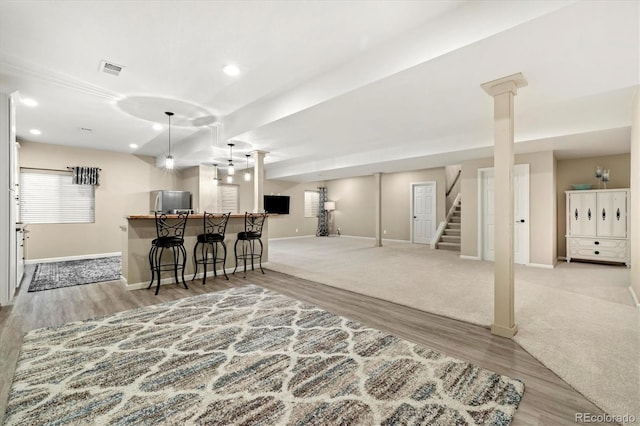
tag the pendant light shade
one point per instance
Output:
(231, 170)
(168, 160)
(216, 179)
(247, 174)
(229, 179)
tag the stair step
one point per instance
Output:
(451, 238)
(448, 246)
(454, 219)
(454, 225)
(449, 231)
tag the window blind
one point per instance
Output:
(52, 198)
(227, 200)
(311, 203)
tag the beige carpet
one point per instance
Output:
(578, 319)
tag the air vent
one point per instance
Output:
(110, 68)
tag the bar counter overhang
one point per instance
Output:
(141, 230)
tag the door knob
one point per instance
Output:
(520, 221)
(415, 217)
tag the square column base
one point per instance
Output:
(501, 331)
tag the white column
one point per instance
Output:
(503, 90)
(258, 180)
(378, 208)
(634, 233)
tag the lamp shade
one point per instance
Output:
(330, 205)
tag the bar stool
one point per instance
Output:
(214, 226)
(253, 223)
(170, 236)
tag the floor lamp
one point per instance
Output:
(330, 206)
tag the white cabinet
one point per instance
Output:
(20, 256)
(598, 225)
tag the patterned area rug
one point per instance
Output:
(75, 272)
(245, 356)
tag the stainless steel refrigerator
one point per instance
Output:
(170, 201)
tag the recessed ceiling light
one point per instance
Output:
(231, 70)
(133, 145)
(157, 126)
(29, 102)
(35, 132)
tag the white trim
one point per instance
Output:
(540, 265)
(292, 238)
(357, 236)
(435, 207)
(62, 259)
(398, 241)
(633, 295)
(562, 258)
(464, 257)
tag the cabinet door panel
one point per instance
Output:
(582, 214)
(612, 214)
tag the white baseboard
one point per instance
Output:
(391, 240)
(65, 258)
(291, 238)
(462, 256)
(172, 280)
(540, 265)
(561, 258)
(635, 298)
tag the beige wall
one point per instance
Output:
(635, 196)
(542, 206)
(125, 184)
(190, 181)
(294, 224)
(582, 170)
(355, 202)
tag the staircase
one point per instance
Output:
(450, 237)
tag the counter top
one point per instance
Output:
(175, 216)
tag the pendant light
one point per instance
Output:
(168, 160)
(231, 170)
(247, 174)
(216, 179)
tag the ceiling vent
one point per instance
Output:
(110, 68)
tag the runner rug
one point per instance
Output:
(75, 272)
(245, 355)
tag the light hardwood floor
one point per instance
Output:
(547, 399)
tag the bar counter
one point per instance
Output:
(141, 230)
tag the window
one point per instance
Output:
(47, 197)
(311, 203)
(227, 199)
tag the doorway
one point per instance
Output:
(423, 212)
(486, 214)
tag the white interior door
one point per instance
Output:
(424, 212)
(520, 212)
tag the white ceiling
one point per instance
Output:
(329, 88)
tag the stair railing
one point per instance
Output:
(454, 184)
(438, 235)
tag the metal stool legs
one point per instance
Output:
(204, 259)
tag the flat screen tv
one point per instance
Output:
(276, 204)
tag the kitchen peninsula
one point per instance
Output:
(141, 230)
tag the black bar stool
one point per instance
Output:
(170, 234)
(253, 223)
(214, 226)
